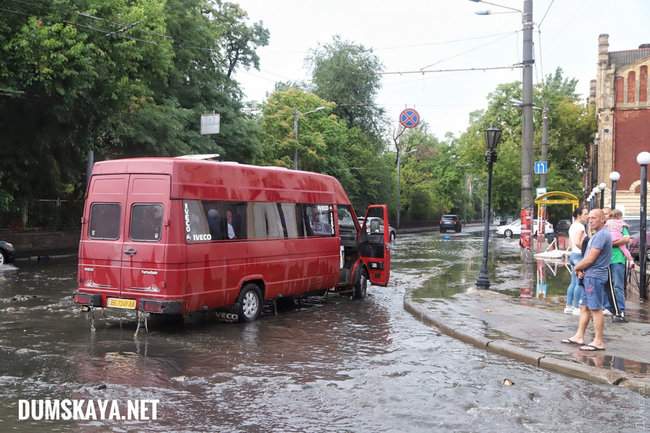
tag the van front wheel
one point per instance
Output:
(250, 303)
(361, 285)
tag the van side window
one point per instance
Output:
(195, 222)
(146, 222)
(104, 221)
(346, 223)
(292, 220)
(265, 221)
(318, 219)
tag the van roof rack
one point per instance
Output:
(204, 157)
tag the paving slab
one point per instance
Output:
(531, 332)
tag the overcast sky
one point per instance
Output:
(446, 34)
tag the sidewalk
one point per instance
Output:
(531, 332)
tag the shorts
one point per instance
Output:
(593, 296)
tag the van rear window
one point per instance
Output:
(146, 222)
(104, 221)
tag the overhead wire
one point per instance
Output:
(470, 50)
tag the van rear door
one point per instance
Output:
(100, 249)
(144, 251)
(374, 245)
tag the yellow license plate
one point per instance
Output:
(128, 304)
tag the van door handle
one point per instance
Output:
(130, 251)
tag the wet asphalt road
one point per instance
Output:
(331, 365)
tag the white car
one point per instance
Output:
(514, 228)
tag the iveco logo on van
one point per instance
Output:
(188, 228)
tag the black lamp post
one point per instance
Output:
(492, 136)
(601, 188)
(614, 176)
(643, 159)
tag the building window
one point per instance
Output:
(620, 96)
(643, 84)
(631, 87)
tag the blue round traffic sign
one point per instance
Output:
(409, 118)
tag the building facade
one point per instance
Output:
(621, 95)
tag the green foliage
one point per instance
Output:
(571, 128)
(349, 75)
(325, 144)
(125, 78)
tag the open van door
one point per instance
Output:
(374, 244)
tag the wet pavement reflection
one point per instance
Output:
(331, 364)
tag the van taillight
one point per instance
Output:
(87, 299)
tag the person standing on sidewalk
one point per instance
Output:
(593, 268)
(615, 297)
(576, 236)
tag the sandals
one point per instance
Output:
(590, 348)
(570, 341)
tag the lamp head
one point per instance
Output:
(602, 186)
(615, 176)
(643, 158)
(492, 137)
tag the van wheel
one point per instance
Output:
(250, 303)
(3, 259)
(360, 289)
(392, 237)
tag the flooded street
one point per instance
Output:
(330, 365)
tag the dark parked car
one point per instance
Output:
(450, 222)
(6, 252)
(562, 226)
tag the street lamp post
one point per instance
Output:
(296, 117)
(594, 192)
(614, 176)
(527, 99)
(643, 159)
(601, 188)
(492, 136)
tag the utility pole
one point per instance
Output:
(542, 178)
(296, 117)
(527, 108)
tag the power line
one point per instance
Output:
(430, 71)
(545, 13)
(470, 50)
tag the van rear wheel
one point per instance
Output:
(250, 303)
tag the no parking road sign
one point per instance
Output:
(409, 118)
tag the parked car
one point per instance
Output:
(393, 232)
(450, 222)
(563, 226)
(6, 252)
(514, 228)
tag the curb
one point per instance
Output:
(527, 356)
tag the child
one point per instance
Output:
(615, 226)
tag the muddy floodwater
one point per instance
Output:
(329, 365)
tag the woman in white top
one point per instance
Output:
(576, 236)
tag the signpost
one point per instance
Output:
(541, 167)
(409, 118)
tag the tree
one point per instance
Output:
(326, 144)
(124, 78)
(349, 75)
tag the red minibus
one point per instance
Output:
(177, 235)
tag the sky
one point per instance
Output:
(446, 34)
